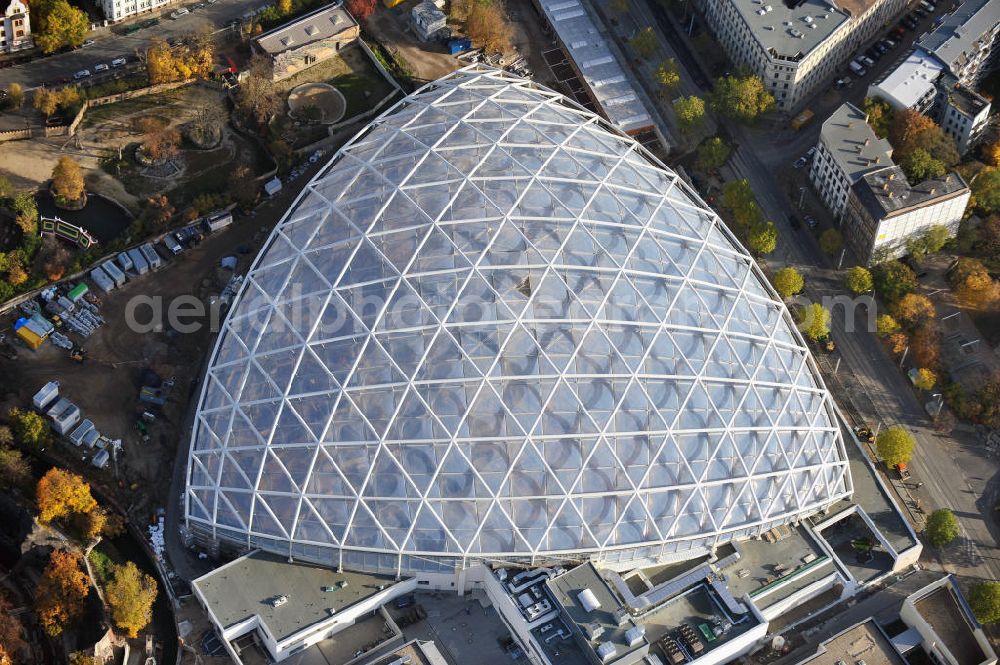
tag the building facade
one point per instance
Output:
(962, 113)
(965, 42)
(847, 149)
(119, 10)
(15, 26)
(884, 211)
(795, 46)
(308, 40)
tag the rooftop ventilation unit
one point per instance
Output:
(592, 630)
(278, 601)
(634, 635)
(795, 33)
(588, 600)
(606, 651)
(807, 19)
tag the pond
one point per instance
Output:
(102, 217)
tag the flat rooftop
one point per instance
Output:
(861, 642)
(695, 607)
(315, 26)
(958, 33)
(771, 572)
(793, 29)
(968, 101)
(244, 588)
(949, 619)
(853, 144)
(604, 75)
(911, 80)
(566, 590)
(418, 653)
(886, 192)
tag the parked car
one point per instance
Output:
(920, 12)
(911, 22)
(927, 6)
(119, 62)
(865, 60)
(101, 67)
(857, 68)
(811, 153)
(179, 12)
(82, 74)
(86, 43)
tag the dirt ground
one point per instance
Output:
(428, 61)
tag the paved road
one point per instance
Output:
(108, 45)
(955, 474)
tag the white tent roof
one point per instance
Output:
(495, 327)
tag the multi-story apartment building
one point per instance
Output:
(884, 211)
(847, 150)
(965, 42)
(15, 26)
(117, 10)
(923, 83)
(796, 46)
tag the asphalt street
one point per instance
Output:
(108, 45)
(954, 475)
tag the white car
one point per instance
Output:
(179, 12)
(102, 67)
(119, 62)
(82, 74)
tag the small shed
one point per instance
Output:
(428, 20)
(77, 292)
(45, 396)
(101, 459)
(139, 263)
(125, 262)
(91, 437)
(152, 258)
(76, 436)
(114, 272)
(99, 277)
(272, 186)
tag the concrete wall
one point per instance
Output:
(931, 642)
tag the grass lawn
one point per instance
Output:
(354, 86)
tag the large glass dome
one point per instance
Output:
(494, 327)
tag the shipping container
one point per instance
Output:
(99, 277)
(77, 292)
(29, 337)
(170, 242)
(125, 262)
(114, 272)
(101, 459)
(91, 437)
(152, 258)
(46, 396)
(76, 436)
(218, 220)
(66, 418)
(139, 262)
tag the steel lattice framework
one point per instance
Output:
(494, 326)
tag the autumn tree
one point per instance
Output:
(741, 98)
(29, 428)
(893, 280)
(13, 648)
(885, 325)
(361, 9)
(15, 472)
(895, 446)
(858, 280)
(243, 186)
(991, 153)
(157, 214)
(814, 321)
(61, 592)
(668, 75)
(26, 213)
(67, 180)
(926, 345)
(162, 144)
(880, 115)
(986, 191)
(712, 153)
(192, 59)
(984, 598)
(898, 342)
(690, 113)
(57, 24)
(284, 7)
(60, 494)
(941, 528)
(644, 42)
(45, 101)
(487, 26)
(906, 125)
(258, 98)
(15, 95)
(831, 241)
(972, 283)
(924, 379)
(763, 238)
(81, 658)
(787, 282)
(913, 310)
(130, 595)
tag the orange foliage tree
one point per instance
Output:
(60, 494)
(12, 645)
(61, 592)
(906, 125)
(926, 346)
(913, 310)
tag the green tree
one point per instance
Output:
(859, 280)
(936, 237)
(57, 24)
(918, 165)
(986, 191)
(893, 280)
(739, 198)
(14, 469)
(644, 42)
(690, 113)
(763, 238)
(29, 428)
(895, 446)
(741, 98)
(814, 321)
(787, 282)
(885, 325)
(130, 595)
(26, 213)
(879, 114)
(667, 74)
(941, 528)
(831, 241)
(984, 598)
(938, 145)
(712, 153)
